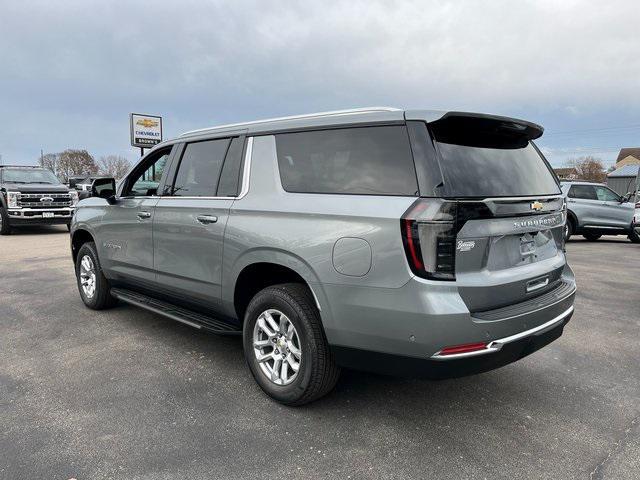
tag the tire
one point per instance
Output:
(634, 237)
(101, 297)
(5, 227)
(569, 229)
(317, 372)
(592, 237)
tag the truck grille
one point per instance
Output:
(44, 200)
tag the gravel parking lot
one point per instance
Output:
(129, 394)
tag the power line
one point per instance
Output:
(591, 130)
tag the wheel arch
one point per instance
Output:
(261, 268)
(78, 238)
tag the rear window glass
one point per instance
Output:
(364, 161)
(479, 162)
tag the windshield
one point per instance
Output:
(29, 175)
(481, 160)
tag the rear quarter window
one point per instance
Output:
(362, 161)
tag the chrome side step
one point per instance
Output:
(179, 314)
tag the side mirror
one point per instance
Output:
(104, 188)
(625, 198)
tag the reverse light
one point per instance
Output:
(428, 234)
(465, 348)
(12, 199)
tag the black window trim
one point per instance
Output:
(349, 126)
(178, 162)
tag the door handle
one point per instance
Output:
(142, 215)
(207, 219)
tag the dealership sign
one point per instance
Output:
(146, 130)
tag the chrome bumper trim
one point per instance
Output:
(68, 212)
(496, 345)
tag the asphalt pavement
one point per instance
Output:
(127, 394)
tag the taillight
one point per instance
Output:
(429, 235)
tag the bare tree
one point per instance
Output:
(50, 161)
(590, 169)
(75, 163)
(115, 166)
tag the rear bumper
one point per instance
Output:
(510, 351)
(414, 323)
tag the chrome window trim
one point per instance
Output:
(509, 199)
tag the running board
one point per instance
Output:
(182, 315)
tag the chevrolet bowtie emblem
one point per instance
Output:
(537, 206)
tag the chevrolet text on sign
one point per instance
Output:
(146, 130)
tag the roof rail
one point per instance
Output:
(352, 111)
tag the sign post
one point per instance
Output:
(146, 131)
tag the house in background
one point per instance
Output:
(628, 156)
(624, 180)
(566, 173)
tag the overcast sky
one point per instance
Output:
(72, 71)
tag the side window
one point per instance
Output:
(585, 192)
(229, 185)
(364, 161)
(199, 169)
(145, 182)
(606, 195)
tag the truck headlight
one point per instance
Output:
(74, 197)
(12, 199)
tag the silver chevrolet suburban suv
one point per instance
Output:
(403, 242)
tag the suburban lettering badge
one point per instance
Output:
(536, 222)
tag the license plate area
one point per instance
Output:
(510, 251)
(527, 245)
(48, 214)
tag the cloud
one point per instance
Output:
(72, 72)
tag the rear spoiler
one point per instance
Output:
(460, 121)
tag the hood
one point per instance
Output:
(35, 188)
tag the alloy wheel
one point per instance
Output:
(88, 276)
(276, 346)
